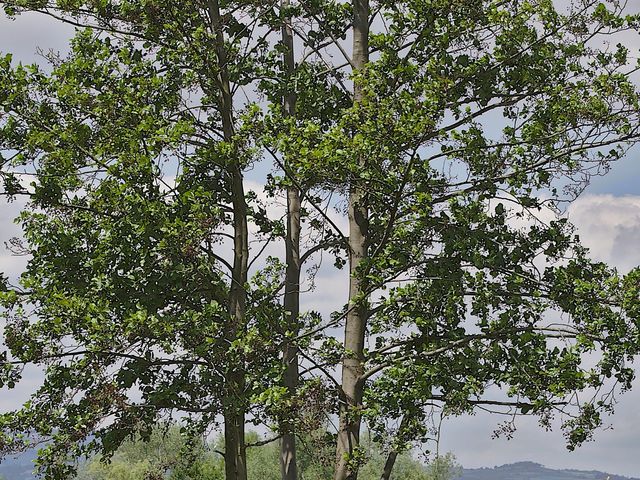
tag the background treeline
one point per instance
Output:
(169, 455)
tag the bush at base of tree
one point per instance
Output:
(162, 457)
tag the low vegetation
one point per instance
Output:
(164, 456)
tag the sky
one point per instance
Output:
(607, 216)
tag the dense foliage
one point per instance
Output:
(163, 282)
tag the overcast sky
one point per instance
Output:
(608, 218)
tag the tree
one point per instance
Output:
(291, 300)
(148, 302)
(443, 133)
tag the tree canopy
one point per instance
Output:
(188, 165)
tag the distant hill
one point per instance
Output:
(534, 471)
(19, 467)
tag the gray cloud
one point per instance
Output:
(31, 380)
(29, 33)
(626, 246)
(10, 264)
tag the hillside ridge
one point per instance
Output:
(527, 470)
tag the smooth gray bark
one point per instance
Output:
(288, 463)
(355, 325)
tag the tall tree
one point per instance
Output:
(288, 461)
(459, 273)
(447, 135)
(235, 382)
(151, 307)
(352, 386)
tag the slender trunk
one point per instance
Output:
(388, 465)
(352, 365)
(233, 404)
(393, 454)
(288, 463)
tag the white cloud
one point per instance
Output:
(610, 227)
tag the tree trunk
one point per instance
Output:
(288, 463)
(393, 454)
(352, 365)
(388, 465)
(233, 404)
(235, 463)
